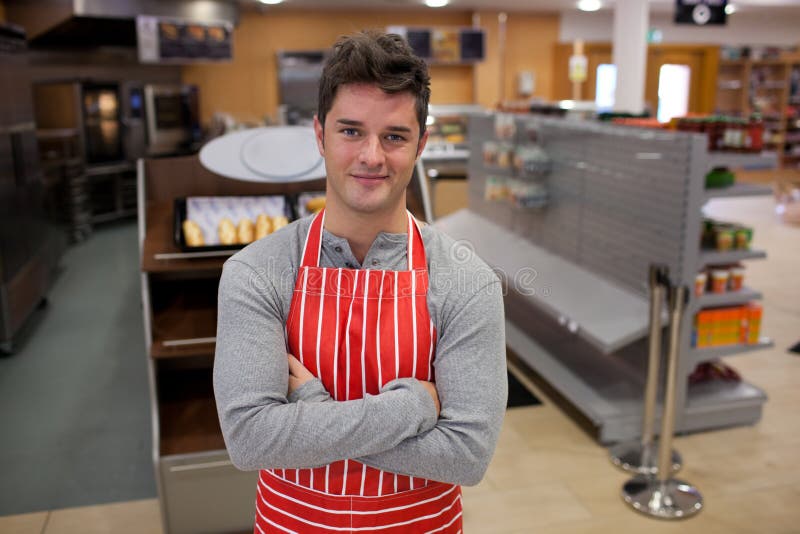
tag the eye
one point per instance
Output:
(349, 132)
(396, 138)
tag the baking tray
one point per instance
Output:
(180, 213)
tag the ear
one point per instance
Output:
(319, 132)
(422, 141)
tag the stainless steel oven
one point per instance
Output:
(172, 118)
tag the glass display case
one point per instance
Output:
(443, 165)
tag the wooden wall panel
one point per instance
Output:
(487, 72)
(529, 47)
(703, 59)
(596, 55)
(248, 86)
(530, 39)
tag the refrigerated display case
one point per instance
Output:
(443, 165)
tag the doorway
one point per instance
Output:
(679, 80)
(673, 91)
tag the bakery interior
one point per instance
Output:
(630, 169)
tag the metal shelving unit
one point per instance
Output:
(737, 190)
(714, 257)
(621, 199)
(742, 160)
(712, 353)
(729, 298)
(568, 304)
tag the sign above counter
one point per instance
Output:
(445, 45)
(162, 40)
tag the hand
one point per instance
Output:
(298, 374)
(431, 389)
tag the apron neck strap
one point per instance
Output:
(313, 245)
(416, 249)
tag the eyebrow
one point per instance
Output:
(350, 122)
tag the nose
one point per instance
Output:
(372, 155)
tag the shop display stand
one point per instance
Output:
(179, 298)
(622, 199)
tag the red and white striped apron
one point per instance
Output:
(356, 330)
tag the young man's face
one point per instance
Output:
(370, 143)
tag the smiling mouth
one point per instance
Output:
(369, 177)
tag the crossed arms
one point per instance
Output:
(397, 430)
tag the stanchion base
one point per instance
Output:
(669, 499)
(632, 457)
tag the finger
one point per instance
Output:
(298, 369)
(295, 367)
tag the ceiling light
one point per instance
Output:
(589, 5)
(436, 3)
(730, 9)
(271, 2)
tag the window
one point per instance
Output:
(605, 87)
(673, 91)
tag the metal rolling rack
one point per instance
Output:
(621, 199)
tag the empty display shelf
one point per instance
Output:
(580, 300)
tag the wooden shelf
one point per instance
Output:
(183, 310)
(187, 412)
(766, 86)
(775, 62)
(160, 350)
(160, 240)
(731, 62)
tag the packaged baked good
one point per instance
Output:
(245, 231)
(192, 233)
(227, 232)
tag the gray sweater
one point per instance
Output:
(396, 430)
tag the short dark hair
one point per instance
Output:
(382, 59)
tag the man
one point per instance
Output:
(360, 359)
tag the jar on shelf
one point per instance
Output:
(700, 283)
(719, 280)
(756, 133)
(736, 281)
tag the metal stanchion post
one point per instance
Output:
(662, 496)
(640, 456)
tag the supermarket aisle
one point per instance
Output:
(73, 399)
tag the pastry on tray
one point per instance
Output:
(192, 234)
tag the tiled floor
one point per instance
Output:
(74, 400)
(549, 477)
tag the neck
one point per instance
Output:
(361, 229)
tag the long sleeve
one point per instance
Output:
(471, 379)
(262, 429)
